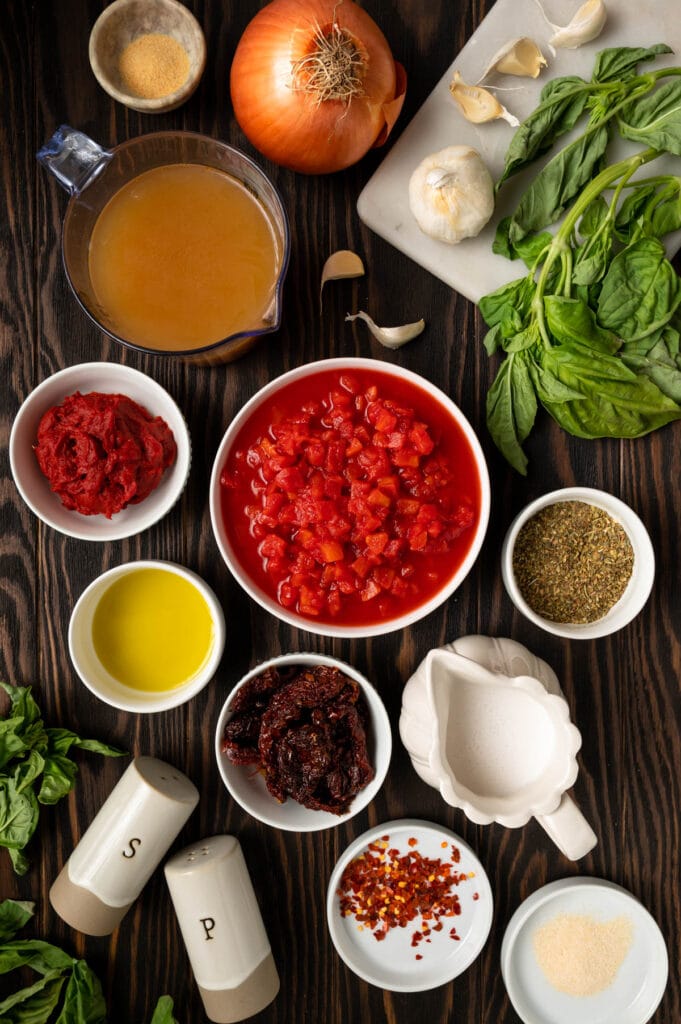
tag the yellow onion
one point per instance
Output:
(314, 84)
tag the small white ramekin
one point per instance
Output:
(637, 590)
(247, 785)
(102, 683)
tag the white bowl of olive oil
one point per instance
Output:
(147, 636)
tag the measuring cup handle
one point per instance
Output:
(569, 829)
(74, 158)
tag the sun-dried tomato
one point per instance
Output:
(306, 729)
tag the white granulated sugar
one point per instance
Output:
(579, 955)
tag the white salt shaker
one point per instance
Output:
(124, 844)
(222, 928)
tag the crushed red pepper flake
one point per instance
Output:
(409, 888)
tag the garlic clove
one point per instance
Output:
(586, 25)
(340, 265)
(478, 105)
(390, 337)
(451, 194)
(521, 57)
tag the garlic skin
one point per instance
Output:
(587, 23)
(451, 194)
(478, 105)
(521, 57)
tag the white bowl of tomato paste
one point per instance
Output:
(99, 451)
(303, 742)
(350, 497)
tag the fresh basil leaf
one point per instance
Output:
(557, 184)
(525, 339)
(14, 914)
(83, 1001)
(593, 217)
(40, 956)
(11, 740)
(620, 62)
(27, 771)
(163, 1014)
(654, 120)
(549, 388)
(591, 260)
(617, 402)
(18, 814)
(60, 741)
(571, 322)
(23, 705)
(511, 409)
(58, 779)
(659, 364)
(665, 215)
(34, 1004)
(20, 863)
(515, 297)
(492, 340)
(641, 291)
(562, 102)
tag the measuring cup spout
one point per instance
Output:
(569, 829)
(74, 158)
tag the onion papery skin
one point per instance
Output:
(292, 127)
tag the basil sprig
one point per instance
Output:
(67, 990)
(593, 331)
(35, 769)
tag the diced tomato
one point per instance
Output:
(331, 487)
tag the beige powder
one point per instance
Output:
(153, 66)
(579, 955)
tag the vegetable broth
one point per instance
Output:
(181, 257)
(152, 630)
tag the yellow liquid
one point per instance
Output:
(181, 257)
(152, 630)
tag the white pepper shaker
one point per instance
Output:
(124, 844)
(222, 928)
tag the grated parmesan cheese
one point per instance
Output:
(579, 955)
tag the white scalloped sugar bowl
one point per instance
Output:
(485, 723)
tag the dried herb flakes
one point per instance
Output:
(572, 562)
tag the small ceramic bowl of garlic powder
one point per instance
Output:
(583, 949)
(148, 54)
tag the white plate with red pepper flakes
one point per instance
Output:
(409, 906)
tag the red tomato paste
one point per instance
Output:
(101, 452)
(351, 497)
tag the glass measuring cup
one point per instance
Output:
(93, 175)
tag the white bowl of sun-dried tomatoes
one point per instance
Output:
(350, 497)
(303, 742)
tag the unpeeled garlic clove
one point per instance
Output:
(391, 337)
(521, 57)
(478, 105)
(587, 24)
(340, 265)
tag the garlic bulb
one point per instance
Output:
(451, 194)
(586, 25)
(478, 105)
(521, 57)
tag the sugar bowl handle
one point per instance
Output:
(74, 158)
(569, 829)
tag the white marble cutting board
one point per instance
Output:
(471, 267)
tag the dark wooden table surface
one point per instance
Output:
(623, 691)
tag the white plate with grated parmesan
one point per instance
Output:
(584, 949)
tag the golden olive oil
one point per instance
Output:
(152, 630)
